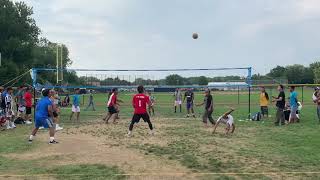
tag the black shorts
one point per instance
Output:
(264, 110)
(112, 110)
(136, 117)
(55, 114)
(28, 110)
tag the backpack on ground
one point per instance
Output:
(19, 120)
(257, 116)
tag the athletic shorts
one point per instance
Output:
(293, 112)
(28, 110)
(21, 109)
(44, 122)
(9, 114)
(136, 117)
(189, 105)
(112, 110)
(176, 103)
(75, 109)
(264, 110)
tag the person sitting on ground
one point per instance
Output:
(226, 119)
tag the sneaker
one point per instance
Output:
(12, 125)
(129, 134)
(41, 127)
(58, 128)
(28, 122)
(53, 142)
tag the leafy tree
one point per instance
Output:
(317, 75)
(277, 72)
(295, 73)
(19, 32)
(203, 80)
(175, 79)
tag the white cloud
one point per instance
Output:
(143, 34)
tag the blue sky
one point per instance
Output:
(131, 34)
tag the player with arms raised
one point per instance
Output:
(140, 102)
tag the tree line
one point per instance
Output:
(22, 47)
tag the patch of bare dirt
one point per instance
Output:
(83, 146)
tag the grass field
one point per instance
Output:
(181, 148)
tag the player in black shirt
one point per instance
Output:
(208, 108)
(281, 103)
(189, 96)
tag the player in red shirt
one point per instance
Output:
(140, 102)
(28, 99)
(112, 106)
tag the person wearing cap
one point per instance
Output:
(76, 106)
(208, 108)
(112, 106)
(316, 100)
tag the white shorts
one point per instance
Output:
(176, 103)
(21, 109)
(75, 108)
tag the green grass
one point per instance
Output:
(255, 146)
(83, 172)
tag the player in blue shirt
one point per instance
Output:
(76, 105)
(44, 115)
(293, 105)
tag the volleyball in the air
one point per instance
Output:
(195, 35)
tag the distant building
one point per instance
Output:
(225, 86)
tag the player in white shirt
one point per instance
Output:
(226, 119)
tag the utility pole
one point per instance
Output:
(59, 63)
